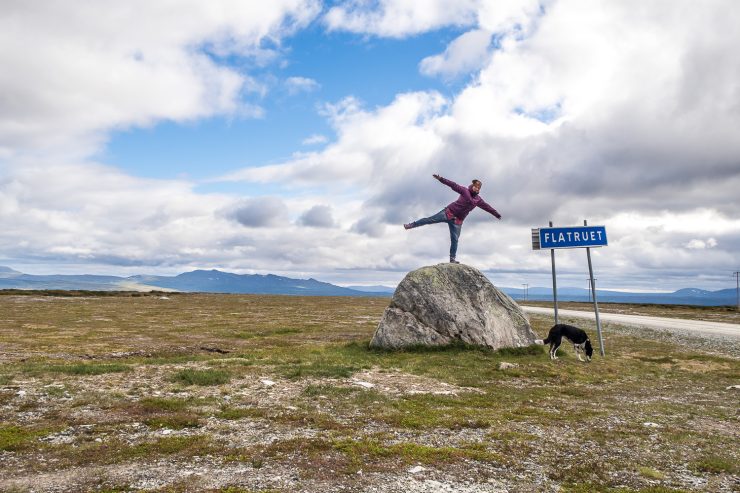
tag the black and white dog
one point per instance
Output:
(576, 336)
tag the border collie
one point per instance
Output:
(576, 336)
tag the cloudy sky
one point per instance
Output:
(296, 136)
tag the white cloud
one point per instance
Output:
(586, 110)
(370, 145)
(51, 214)
(72, 72)
(622, 113)
(296, 85)
(696, 244)
(466, 53)
(318, 216)
(315, 139)
(370, 226)
(259, 212)
(400, 18)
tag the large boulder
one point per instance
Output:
(444, 303)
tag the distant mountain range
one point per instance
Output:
(686, 296)
(203, 281)
(215, 281)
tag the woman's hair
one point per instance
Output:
(477, 182)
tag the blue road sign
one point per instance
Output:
(572, 237)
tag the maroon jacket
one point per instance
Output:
(466, 202)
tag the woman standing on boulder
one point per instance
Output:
(455, 213)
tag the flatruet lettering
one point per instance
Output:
(573, 237)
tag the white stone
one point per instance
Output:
(267, 383)
(367, 385)
(416, 469)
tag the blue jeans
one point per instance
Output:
(441, 217)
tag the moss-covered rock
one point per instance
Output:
(445, 303)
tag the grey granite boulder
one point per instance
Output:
(444, 303)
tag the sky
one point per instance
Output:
(295, 137)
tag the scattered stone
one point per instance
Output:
(366, 385)
(267, 383)
(417, 469)
(433, 392)
(446, 303)
(507, 366)
(733, 387)
(648, 424)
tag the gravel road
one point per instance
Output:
(693, 327)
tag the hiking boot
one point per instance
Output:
(453, 261)
(408, 225)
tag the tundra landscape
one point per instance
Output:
(206, 207)
(243, 393)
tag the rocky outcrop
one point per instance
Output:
(445, 303)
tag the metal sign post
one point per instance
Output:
(572, 237)
(554, 282)
(593, 290)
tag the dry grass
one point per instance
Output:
(269, 393)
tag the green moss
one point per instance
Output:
(234, 413)
(715, 464)
(15, 438)
(659, 360)
(267, 333)
(177, 421)
(601, 488)
(116, 451)
(409, 452)
(650, 473)
(152, 404)
(202, 377)
(80, 369)
(319, 370)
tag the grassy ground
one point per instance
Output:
(266, 393)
